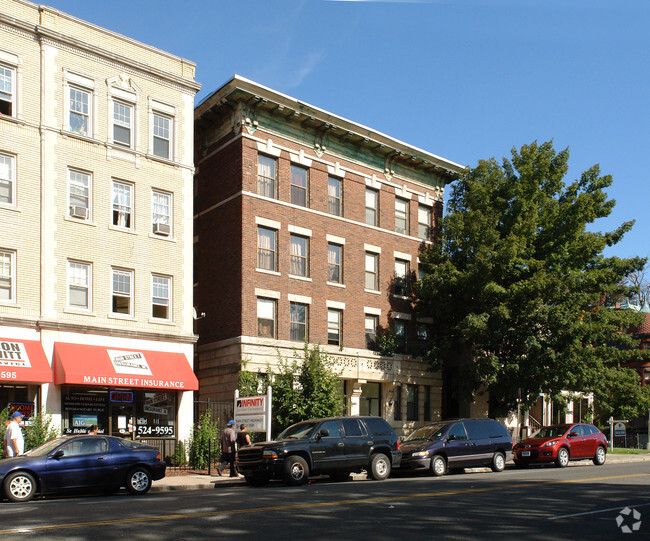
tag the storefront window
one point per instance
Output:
(22, 398)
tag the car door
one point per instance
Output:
(357, 442)
(578, 443)
(327, 452)
(77, 463)
(457, 446)
(480, 447)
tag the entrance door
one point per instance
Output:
(122, 420)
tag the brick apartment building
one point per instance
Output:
(96, 180)
(308, 227)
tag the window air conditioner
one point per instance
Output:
(161, 229)
(79, 212)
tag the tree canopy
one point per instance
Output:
(518, 286)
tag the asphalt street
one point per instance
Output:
(581, 502)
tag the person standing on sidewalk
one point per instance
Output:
(14, 442)
(228, 439)
(243, 439)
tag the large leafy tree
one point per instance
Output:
(517, 284)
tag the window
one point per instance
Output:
(424, 222)
(423, 332)
(401, 284)
(266, 315)
(369, 401)
(162, 135)
(412, 403)
(427, 402)
(334, 196)
(397, 408)
(334, 318)
(7, 273)
(335, 263)
(372, 322)
(457, 431)
(372, 281)
(266, 249)
(372, 197)
(79, 184)
(79, 285)
(299, 186)
(267, 169)
(332, 426)
(401, 332)
(7, 175)
(7, 91)
(123, 124)
(298, 322)
(161, 212)
(80, 106)
(122, 204)
(352, 428)
(160, 297)
(299, 256)
(122, 291)
(402, 216)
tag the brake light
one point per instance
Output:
(398, 445)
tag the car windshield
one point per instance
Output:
(300, 431)
(431, 432)
(47, 447)
(551, 431)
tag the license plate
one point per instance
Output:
(525, 453)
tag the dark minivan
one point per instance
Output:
(457, 444)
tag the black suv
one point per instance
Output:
(336, 446)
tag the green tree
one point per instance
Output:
(203, 444)
(38, 430)
(518, 286)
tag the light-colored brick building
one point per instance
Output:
(96, 175)
(309, 226)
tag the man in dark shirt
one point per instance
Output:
(228, 439)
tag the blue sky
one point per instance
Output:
(464, 79)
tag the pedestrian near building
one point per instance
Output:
(228, 440)
(14, 442)
(243, 439)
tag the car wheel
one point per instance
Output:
(138, 481)
(498, 462)
(438, 466)
(601, 456)
(296, 471)
(562, 460)
(379, 467)
(340, 477)
(20, 486)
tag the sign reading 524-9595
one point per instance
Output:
(155, 430)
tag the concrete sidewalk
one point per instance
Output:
(196, 481)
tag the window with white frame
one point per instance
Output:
(122, 302)
(372, 278)
(334, 325)
(122, 204)
(162, 135)
(424, 222)
(401, 216)
(299, 256)
(80, 108)
(79, 189)
(401, 285)
(160, 296)
(79, 283)
(299, 186)
(372, 198)
(7, 179)
(123, 123)
(371, 324)
(7, 90)
(266, 317)
(267, 249)
(161, 213)
(334, 263)
(7, 275)
(267, 176)
(298, 314)
(334, 196)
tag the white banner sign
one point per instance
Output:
(14, 354)
(129, 362)
(252, 411)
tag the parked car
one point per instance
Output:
(457, 444)
(335, 446)
(561, 444)
(81, 462)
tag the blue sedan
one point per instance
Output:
(81, 463)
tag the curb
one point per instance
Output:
(198, 486)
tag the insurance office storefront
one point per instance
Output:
(125, 392)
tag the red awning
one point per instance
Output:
(79, 364)
(23, 361)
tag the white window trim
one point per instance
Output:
(10, 62)
(372, 311)
(271, 224)
(111, 124)
(89, 266)
(401, 315)
(403, 256)
(335, 305)
(171, 212)
(372, 248)
(172, 125)
(85, 84)
(89, 218)
(333, 239)
(300, 299)
(267, 293)
(302, 231)
(169, 297)
(131, 292)
(132, 207)
(12, 176)
(12, 270)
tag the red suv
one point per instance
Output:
(562, 443)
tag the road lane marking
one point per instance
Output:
(600, 511)
(377, 499)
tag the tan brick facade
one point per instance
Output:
(230, 136)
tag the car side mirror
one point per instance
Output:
(324, 432)
(451, 437)
(573, 434)
(57, 454)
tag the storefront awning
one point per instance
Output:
(79, 364)
(23, 361)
